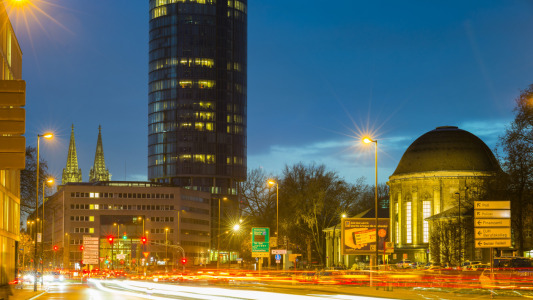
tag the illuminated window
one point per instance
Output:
(91, 218)
(91, 230)
(96, 206)
(185, 125)
(199, 158)
(185, 157)
(206, 84)
(426, 213)
(210, 159)
(228, 129)
(159, 12)
(199, 126)
(408, 223)
(185, 84)
(209, 126)
(397, 223)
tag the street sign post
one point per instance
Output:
(91, 247)
(492, 225)
(260, 243)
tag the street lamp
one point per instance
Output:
(218, 234)
(272, 182)
(460, 230)
(368, 141)
(50, 181)
(46, 136)
(166, 248)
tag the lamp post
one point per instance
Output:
(50, 181)
(46, 136)
(272, 182)
(218, 234)
(166, 249)
(118, 246)
(367, 141)
(460, 230)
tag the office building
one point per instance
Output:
(12, 145)
(172, 219)
(197, 94)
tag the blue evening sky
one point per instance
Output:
(320, 73)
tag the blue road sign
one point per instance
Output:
(278, 256)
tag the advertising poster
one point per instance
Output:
(358, 235)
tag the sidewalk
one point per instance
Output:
(26, 292)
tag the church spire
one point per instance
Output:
(98, 171)
(71, 173)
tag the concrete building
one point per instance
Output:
(441, 169)
(172, 218)
(12, 144)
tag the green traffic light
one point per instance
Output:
(124, 237)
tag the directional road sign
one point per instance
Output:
(493, 233)
(495, 213)
(492, 204)
(260, 240)
(492, 223)
(279, 251)
(493, 243)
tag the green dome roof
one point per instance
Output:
(447, 148)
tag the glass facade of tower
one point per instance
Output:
(197, 94)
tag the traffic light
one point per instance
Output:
(124, 236)
(82, 248)
(110, 239)
(183, 261)
(144, 240)
(56, 248)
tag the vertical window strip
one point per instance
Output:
(408, 220)
(426, 213)
(397, 224)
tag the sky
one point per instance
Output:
(320, 75)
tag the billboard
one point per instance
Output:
(358, 236)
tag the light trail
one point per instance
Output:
(207, 293)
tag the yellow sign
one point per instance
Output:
(293, 257)
(492, 223)
(492, 204)
(260, 254)
(496, 213)
(493, 243)
(493, 233)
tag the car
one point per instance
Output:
(405, 264)
(465, 265)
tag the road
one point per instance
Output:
(81, 292)
(135, 290)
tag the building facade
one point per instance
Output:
(172, 219)
(197, 94)
(12, 145)
(439, 175)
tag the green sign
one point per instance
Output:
(261, 239)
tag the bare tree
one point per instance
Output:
(28, 178)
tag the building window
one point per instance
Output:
(397, 228)
(426, 213)
(408, 223)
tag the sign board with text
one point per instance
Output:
(279, 251)
(260, 240)
(358, 235)
(91, 247)
(492, 224)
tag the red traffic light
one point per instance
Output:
(56, 248)
(144, 240)
(81, 248)
(184, 261)
(110, 239)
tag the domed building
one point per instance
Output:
(438, 177)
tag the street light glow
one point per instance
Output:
(367, 140)
(236, 227)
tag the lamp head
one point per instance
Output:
(271, 182)
(50, 181)
(236, 227)
(367, 140)
(47, 135)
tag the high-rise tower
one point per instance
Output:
(99, 171)
(197, 94)
(72, 173)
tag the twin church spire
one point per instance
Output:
(72, 173)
